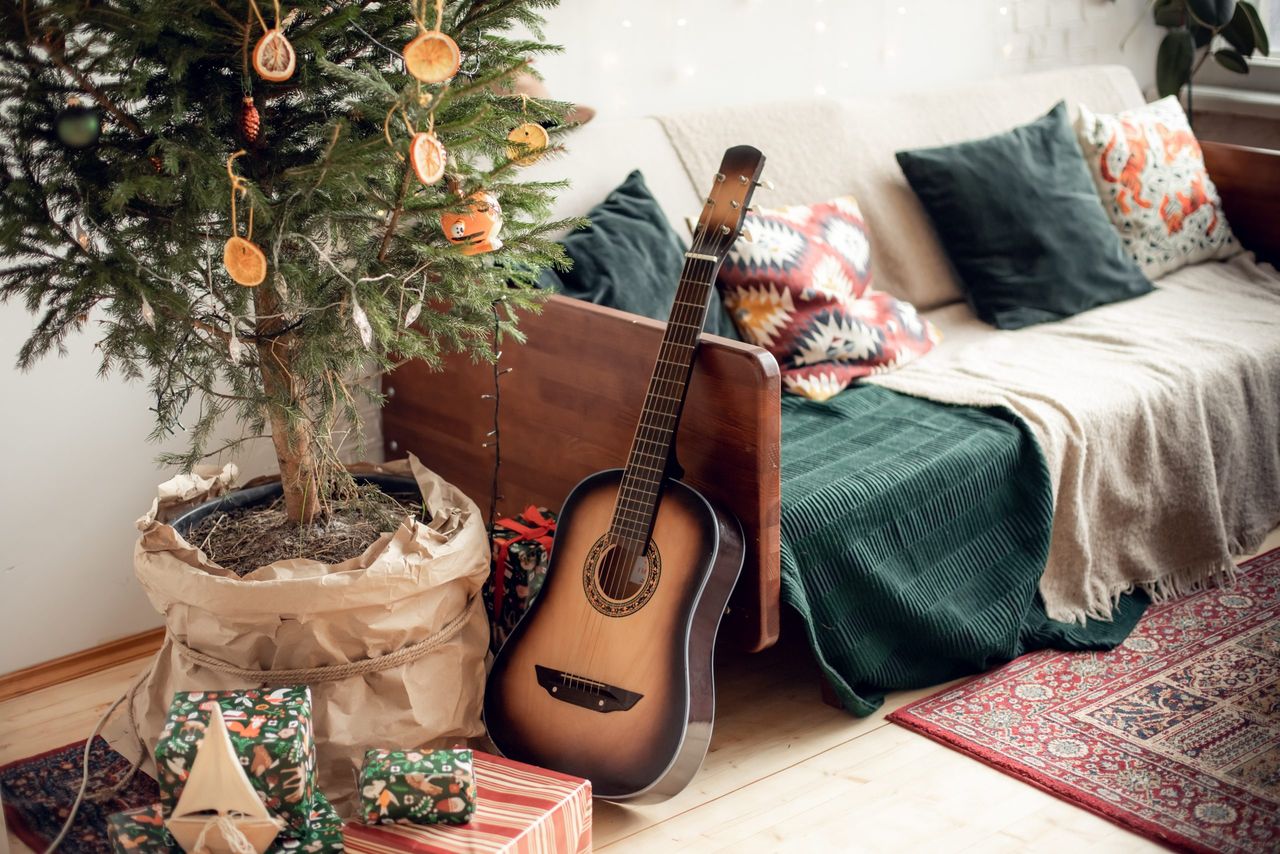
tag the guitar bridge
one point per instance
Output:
(587, 693)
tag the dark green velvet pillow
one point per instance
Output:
(1020, 218)
(630, 258)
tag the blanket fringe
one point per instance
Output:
(1173, 585)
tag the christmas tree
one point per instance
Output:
(249, 202)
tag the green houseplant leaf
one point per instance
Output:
(1261, 43)
(1239, 33)
(1169, 13)
(1212, 13)
(1173, 62)
(1231, 60)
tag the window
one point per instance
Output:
(1269, 11)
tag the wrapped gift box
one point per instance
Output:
(142, 831)
(272, 733)
(417, 787)
(520, 809)
(139, 831)
(521, 553)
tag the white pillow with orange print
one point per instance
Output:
(1150, 173)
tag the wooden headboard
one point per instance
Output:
(1248, 179)
(569, 408)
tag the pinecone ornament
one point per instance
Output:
(250, 121)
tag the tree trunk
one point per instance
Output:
(294, 438)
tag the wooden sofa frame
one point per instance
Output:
(569, 404)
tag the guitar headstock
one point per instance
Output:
(726, 204)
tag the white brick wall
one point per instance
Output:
(1056, 32)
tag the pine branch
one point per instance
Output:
(396, 212)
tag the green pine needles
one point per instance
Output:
(126, 233)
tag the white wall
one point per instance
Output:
(78, 469)
(624, 57)
(78, 472)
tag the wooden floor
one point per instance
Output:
(785, 773)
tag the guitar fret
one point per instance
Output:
(650, 468)
(639, 512)
(642, 484)
(637, 519)
(650, 452)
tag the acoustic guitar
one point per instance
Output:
(609, 674)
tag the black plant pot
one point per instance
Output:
(397, 486)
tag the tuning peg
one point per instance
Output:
(766, 183)
(747, 235)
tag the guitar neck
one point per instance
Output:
(668, 386)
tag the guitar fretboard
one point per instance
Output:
(651, 447)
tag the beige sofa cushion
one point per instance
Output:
(817, 150)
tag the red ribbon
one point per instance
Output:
(539, 530)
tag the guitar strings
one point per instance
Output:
(609, 577)
(686, 321)
(687, 318)
(638, 495)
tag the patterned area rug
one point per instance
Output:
(1175, 734)
(38, 791)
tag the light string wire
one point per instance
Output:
(494, 436)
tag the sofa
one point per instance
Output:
(569, 403)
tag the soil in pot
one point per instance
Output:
(245, 538)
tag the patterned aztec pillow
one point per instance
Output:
(802, 290)
(1150, 173)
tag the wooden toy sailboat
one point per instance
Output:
(218, 811)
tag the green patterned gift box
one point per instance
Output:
(272, 733)
(142, 831)
(417, 787)
(139, 831)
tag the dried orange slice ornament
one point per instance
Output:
(245, 262)
(530, 141)
(241, 256)
(432, 57)
(427, 156)
(273, 57)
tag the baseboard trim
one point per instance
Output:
(80, 663)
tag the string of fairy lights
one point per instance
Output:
(762, 50)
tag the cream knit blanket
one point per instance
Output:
(1159, 418)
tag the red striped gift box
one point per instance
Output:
(520, 809)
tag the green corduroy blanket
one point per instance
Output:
(913, 538)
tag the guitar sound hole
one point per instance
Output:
(618, 577)
(622, 572)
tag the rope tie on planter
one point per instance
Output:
(334, 672)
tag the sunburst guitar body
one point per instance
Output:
(609, 674)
